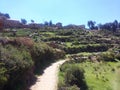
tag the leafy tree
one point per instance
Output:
(7, 15)
(115, 25)
(50, 23)
(23, 21)
(107, 26)
(91, 24)
(46, 23)
(32, 21)
(112, 26)
(59, 24)
(119, 25)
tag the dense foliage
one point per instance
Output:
(73, 76)
(20, 59)
(17, 63)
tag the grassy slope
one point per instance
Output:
(98, 76)
(101, 78)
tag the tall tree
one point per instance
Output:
(46, 23)
(91, 24)
(119, 25)
(116, 23)
(114, 26)
(50, 23)
(23, 21)
(32, 21)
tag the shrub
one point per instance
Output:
(117, 56)
(74, 87)
(58, 54)
(75, 76)
(23, 41)
(108, 56)
(18, 63)
(42, 55)
(13, 57)
(3, 76)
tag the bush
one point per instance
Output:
(18, 63)
(73, 88)
(21, 58)
(16, 58)
(42, 56)
(75, 76)
(58, 54)
(108, 56)
(3, 76)
(23, 41)
(117, 56)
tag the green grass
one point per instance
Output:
(47, 32)
(68, 44)
(23, 32)
(116, 81)
(98, 76)
(61, 79)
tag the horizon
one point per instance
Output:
(67, 12)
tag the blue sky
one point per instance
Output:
(65, 11)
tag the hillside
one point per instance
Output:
(94, 58)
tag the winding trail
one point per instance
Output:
(48, 80)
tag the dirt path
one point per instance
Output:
(48, 81)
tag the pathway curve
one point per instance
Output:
(48, 80)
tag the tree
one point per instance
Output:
(46, 23)
(50, 23)
(119, 25)
(107, 26)
(7, 15)
(91, 24)
(23, 21)
(115, 25)
(32, 21)
(59, 24)
(100, 26)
